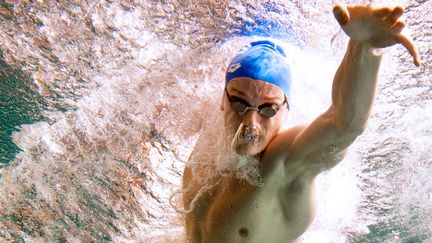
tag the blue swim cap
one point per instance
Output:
(261, 60)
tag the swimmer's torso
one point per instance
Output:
(232, 210)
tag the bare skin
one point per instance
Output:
(232, 210)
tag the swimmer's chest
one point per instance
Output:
(240, 212)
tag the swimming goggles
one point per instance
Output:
(240, 106)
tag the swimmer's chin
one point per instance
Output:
(247, 149)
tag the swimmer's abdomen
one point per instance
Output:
(276, 212)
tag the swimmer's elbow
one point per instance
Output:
(353, 131)
(359, 130)
(350, 126)
(349, 135)
(348, 132)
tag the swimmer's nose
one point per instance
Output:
(251, 118)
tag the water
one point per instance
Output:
(113, 96)
(19, 104)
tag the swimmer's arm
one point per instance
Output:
(322, 144)
(192, 222)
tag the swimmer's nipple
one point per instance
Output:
(243, 232)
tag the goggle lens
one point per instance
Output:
(266, 111)
(241, 107)
(238, 106)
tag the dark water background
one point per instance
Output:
(19, 104)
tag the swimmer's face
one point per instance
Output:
(252, 132)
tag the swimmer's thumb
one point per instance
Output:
(341, 14)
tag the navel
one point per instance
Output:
(243, 232)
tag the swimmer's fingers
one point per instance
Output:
(394, 16)
(398, 27)
(388, 15)
(341, 15)
(412, 49)
(382, 12)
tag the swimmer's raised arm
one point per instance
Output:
(322, 143)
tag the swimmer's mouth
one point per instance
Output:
(245, 136)
(249, 139)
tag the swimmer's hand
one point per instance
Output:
(376, 27)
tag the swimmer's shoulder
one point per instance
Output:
(282, 143)
(280, 148)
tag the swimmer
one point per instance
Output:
(254, 105)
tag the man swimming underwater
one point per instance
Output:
(255, 102)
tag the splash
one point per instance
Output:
(130, 86)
